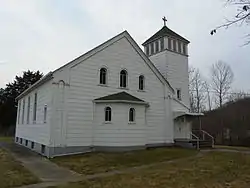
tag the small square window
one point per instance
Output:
(26, 142)
(32, 145)
(21, 141)
(16, 139)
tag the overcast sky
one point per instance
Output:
(45, 34)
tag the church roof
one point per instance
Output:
(122, 96)
(165, 31)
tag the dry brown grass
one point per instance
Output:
(102, 162)
(12, 173)
(213, 170)
(238, 148)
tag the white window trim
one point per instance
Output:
(23, 111)
(107, 122)
(28, 110)
(131, 122)
(107, 76)
(119, 79)
(45, 114)
(34, 118)
(141, 90)
(19, 112)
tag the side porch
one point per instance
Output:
(184, 136)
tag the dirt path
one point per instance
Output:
(49, 173)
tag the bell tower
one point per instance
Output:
(169, 53)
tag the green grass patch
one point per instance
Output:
(215, 169)
(6, 139)
(92, 163)
(12, 173)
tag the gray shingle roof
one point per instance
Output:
(123, 96)
(164, 31)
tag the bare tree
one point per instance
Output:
(236, 95)
(207, 87)
(221, 79)
(242, 16)
(196, 88)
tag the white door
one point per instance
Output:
(181, 129)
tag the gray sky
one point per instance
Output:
(45, 34)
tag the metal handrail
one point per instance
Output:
(197, 139)
(209, 135)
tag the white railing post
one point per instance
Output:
(204, 132)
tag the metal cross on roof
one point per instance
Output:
(164, 20)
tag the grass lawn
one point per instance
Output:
(6, 139)
(102, 162)
(214, 169)
(239, 148)
(12, 173)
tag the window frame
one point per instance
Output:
(45, 113)
(105, 76)
(133, 115)
(23, 111)
(35, 108)
(143, 83)
(108, 114)
(32, 145)
(121, 79)
(19, 112)
(28, 111)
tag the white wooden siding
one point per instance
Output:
(39, 131)
(84, 87)
(174, 67)
(119, 132)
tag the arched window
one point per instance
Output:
(123, 79)
(103, 76)
(108, 114)
(131, 115)
(141, 82)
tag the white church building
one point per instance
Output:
(115, 97)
